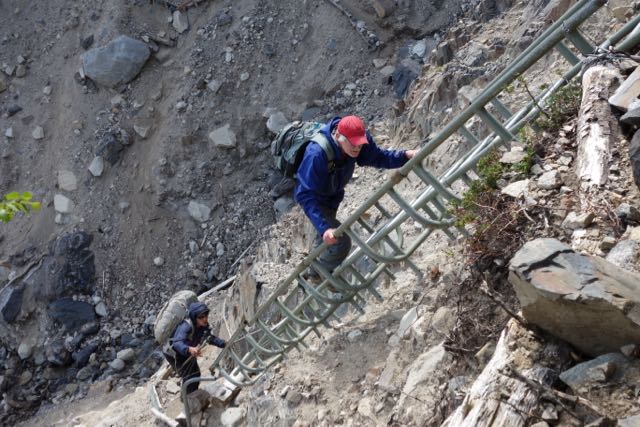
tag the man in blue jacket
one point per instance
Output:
(320, 183)
(185, 342)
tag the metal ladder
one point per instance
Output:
(283, 321)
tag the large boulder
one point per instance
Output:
(585, 300)
(116, 63)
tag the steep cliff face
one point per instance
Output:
(186, 203)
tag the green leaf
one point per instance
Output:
(12, 196)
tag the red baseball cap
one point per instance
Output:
(352, 127)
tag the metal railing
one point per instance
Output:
(288, 315)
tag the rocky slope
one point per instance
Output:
(189, 132)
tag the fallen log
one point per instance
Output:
(597, 127)
(495, 399)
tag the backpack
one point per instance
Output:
(171, 315)
(289, 145)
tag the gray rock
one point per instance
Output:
(626, 97)
(512, 157)
(180, 21)
(101, 309)
(628, 213)
(223, 137)
(85, 373)
(10, 303)
(62, 204)
(232, 417)
(214, 85)
(117, 63)
(97, 166)
(127, 355)
(72, 314)
(632, 421)
(631, 117)
(276, 122)
(517, 189)
(25, 349)
(584, 300)
(422, 373)
(117, 365)
(38, 133)
(625, 254)
(576, 220)
(67, 181)
(199, 211)
(294, 397)
(550, 180)
(408, 319)
(419, 49)
(353, 336)
(634, 157)
(142, 129)
(8, 133)
(608, 367)
(283, 205)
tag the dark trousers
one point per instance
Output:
(335, 254)
(187, 367)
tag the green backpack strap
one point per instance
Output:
(320, 139)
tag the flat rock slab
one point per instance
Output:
(584, 300)
(626, 97)
(116, 63)
(602, 369)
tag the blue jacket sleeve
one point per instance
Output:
(218, 342)
(310, 175)
(372, 155)
(178, 342)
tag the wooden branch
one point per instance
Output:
(556, 394)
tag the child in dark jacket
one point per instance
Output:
(185, 342)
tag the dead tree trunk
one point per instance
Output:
(495, 399)
(596, 124)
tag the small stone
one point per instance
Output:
(223, 137)
(575, 220)
(607, 243)
(127, 355)
(244, 76)
(219, 249)
(512, 157)
(142, 129)
(354, 335)
(38, 133)
(181, 105)
(8, 133)
(550, 180)
(180, 21)
(123, 206)
(67, 180)
(158, 261)
(214, 86)
(276, 122)
(9, 70)
(101, 309)
(199, 211)
(117, 365)
(46, 90)
(379, 63)
(62, 204)
(25, 377)
(97, 166)
(25, 350)
(629, 350)
(21, 59)
(21, 71)
(517, 189)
